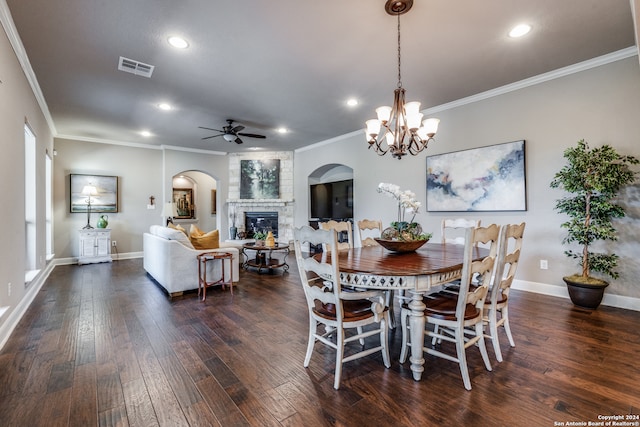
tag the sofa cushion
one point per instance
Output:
(210, 240)
(171, 234)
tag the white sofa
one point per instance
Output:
(169, 257)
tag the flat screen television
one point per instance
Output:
(332, 200)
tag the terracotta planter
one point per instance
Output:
(585, 295)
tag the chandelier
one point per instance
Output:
(400, 129)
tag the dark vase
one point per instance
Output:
(232, 232)
(585, 295)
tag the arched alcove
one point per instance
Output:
(331, 193)
(194, 196)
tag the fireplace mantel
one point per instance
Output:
(259, 202)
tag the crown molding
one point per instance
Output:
(535, 80)
(139, 145)
(16, 43)
(551, 75)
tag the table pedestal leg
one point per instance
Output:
(416, 323)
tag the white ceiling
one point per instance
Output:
(289, 63)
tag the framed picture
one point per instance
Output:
(260, 179)
(106, 193)
(481, 179)
(183, 199)
(213, 202)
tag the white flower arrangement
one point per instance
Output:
(406, 200)
(402, 230)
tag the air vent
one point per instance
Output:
(135, 67)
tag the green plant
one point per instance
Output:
(260, 235)
(594, 178)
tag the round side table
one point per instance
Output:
(205, 257)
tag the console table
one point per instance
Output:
(95, 245)
(268, 257)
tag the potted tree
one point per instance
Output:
(593, 177)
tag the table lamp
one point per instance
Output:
(89, 190)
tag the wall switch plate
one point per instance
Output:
(544, 265)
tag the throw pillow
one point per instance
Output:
(195, 231)
(178, 227)
(210, 240)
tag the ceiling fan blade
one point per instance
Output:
(237, 129)
(212, 136)
(238, 141)
(217, 130)
(252, 135)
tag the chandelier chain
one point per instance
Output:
(399, 74)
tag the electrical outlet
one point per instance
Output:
(544, 265)
(113, 243)
(9, 289)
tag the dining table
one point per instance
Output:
(418, 272)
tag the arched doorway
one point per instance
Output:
(331, 193)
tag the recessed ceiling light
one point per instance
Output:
(352, 102)
(283, 130)
(519, 30)
(178, 42)
(145, 133)
(164, 106)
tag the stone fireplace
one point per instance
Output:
(283, 207)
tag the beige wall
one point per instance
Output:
(141, 172)
(17, 107)
(600, 105)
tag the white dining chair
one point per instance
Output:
(334, 311)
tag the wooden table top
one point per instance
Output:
(432, 258)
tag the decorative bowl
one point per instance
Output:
(401, 245)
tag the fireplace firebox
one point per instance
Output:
(260, 221)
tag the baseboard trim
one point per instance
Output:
(14, 317)
(612, 300)
(116, 257)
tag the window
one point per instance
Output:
(30, 202)
(48, 202)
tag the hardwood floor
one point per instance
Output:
(103, 345)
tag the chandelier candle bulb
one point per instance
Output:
(384, 114)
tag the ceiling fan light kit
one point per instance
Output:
(232, 133)
(400, 129)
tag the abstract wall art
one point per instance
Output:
(481, 179)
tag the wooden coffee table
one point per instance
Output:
(267, 257)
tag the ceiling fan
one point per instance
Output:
(232, 133)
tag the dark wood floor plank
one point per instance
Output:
(189, 359)
(253, 408)
(102, 344)
(54, 408)
(84, 399)
(221, 403)
(113, 417)
(138, 403)
(200, 414)
(165, 403)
